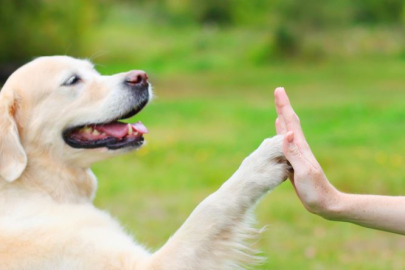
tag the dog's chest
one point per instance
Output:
(65, 237)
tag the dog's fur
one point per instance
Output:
(47, 220)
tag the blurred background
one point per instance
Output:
(214, 65)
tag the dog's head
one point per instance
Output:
(62, 108)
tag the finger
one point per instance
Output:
(299, 158)
(292, 123)
(285, 110)
(279, 114)
(280, 127)
(292, 152)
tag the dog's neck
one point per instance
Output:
(63, 183)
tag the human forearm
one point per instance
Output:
(385, 213)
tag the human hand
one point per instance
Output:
(310, 183)
(385, 213)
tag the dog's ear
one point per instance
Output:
(13, 158)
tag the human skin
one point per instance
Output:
(318, 195)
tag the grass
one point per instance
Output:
(202, 125)
(214, 106)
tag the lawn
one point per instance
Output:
(202, 124)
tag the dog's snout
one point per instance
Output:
(136, 81)
(136, 77)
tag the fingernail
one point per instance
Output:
(290, 136)
(280, 88)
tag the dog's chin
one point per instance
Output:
(113, 135)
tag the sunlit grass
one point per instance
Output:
(203, 124)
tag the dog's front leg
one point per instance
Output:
(213, 237)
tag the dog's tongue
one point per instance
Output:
(139, 127)
(120, 130)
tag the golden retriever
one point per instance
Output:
(57, 117)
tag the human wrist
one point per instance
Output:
(334, 206)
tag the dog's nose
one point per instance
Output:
(136, 77)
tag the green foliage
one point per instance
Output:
(286, 41)
(213, 11)
(312, 14)
(297, 21)
(33, 28)
(289, 28)
(377, 11)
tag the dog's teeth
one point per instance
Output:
(136, 133)
(95, 132)
(86, 129)
(103, 134)
(129, 129)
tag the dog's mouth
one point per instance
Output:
(112, 135)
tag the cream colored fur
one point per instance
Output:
(47, 220)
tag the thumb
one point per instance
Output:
(293, 153)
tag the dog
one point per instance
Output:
(58, 116)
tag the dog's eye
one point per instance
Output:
(72, 80)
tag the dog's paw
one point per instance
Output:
(266, 167)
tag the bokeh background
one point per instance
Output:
(214, 65)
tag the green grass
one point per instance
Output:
(202, 125)
(214, 106)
